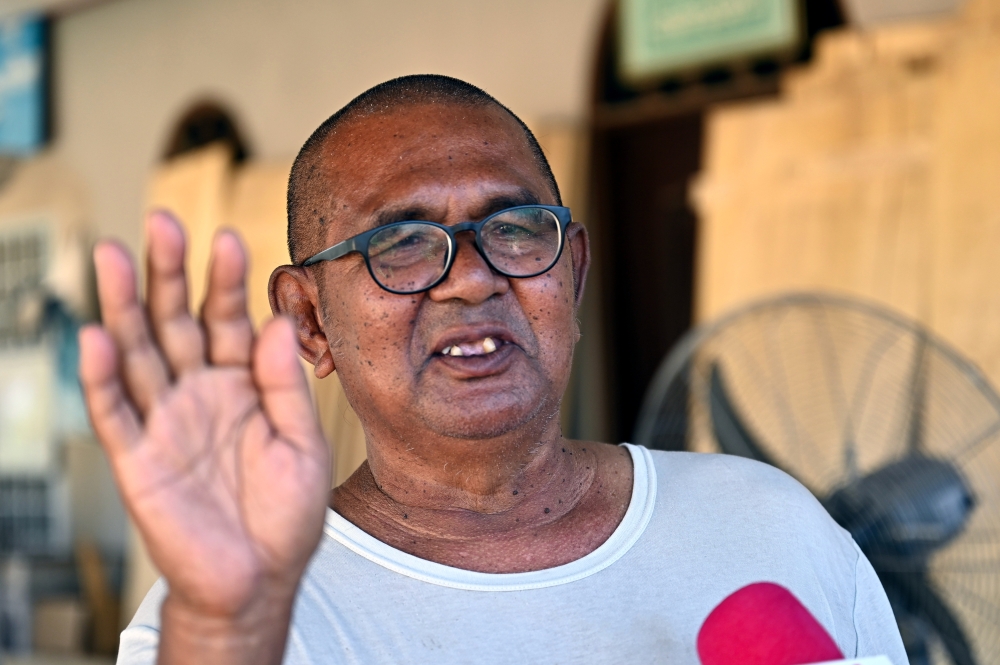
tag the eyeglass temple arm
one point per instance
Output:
(332, 253)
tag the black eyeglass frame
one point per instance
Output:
(359, 244)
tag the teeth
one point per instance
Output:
(486, 346)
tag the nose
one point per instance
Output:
(471, 279)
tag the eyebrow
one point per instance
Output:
(410, 213)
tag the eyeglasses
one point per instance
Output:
(413, 256)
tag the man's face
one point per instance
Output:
(447, 164)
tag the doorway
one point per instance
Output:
(646, 146)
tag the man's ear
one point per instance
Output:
(579, 247)
(294, 294)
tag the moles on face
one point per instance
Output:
(478, 356)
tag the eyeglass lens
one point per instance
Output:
(410, 257)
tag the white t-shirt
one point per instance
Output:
(698, 527)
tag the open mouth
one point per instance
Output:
(479, 347)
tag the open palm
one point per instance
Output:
(210, 431)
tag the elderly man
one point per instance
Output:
(435, 270)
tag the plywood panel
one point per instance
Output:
(257, 212)
(194, 187)
(874, 175)
(965, 299)
(828, 188)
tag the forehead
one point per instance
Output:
(428, 154)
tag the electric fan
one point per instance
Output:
(893, 431)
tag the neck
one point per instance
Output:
(486, 476)
(498, 505)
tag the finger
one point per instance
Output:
(224, 314)
(177, 332)
(112, 415)
(142, 367)
(284, 392)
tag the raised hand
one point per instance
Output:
(213, 442)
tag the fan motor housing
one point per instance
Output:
(902, 512)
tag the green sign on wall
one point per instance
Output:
(660, 37)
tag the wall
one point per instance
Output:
(125, 70)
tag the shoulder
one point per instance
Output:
(726, 489)
(746, 522)
(725, 473)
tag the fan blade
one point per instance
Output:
(663, 419)
(733, 436)
(918, 393)
(920, 599)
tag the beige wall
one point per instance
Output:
(125, 70)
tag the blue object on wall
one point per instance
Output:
(23, 86)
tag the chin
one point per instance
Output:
(464, 420)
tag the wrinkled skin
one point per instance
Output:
(209, 426)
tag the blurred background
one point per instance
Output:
(719, 151)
